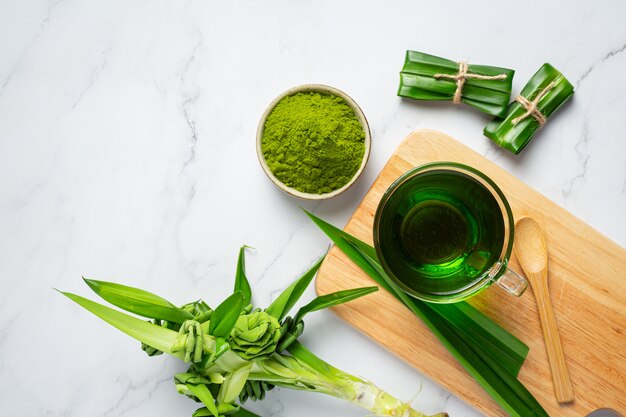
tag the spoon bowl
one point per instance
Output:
(530, 245)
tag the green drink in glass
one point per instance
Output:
(444, 232)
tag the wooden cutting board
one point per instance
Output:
(587, 285)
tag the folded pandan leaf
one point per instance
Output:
(429, 77)
(543, 95)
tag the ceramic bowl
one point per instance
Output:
(324, 89)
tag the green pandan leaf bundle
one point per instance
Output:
(540, 98)
(237, 352)
(429, 77)
(489, 353)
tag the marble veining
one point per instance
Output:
(606, 57)
(127, 153)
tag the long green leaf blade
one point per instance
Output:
(496, 334)
(303, 354)
(333, 299)
(239, 412)
(138, 301)
(204, 395)
(152, 335)
(511, 394)
(242, 412)
(486, 335)
(288, 298)
(241, 281)
(233, 384)
(487, 368)
(225, 315)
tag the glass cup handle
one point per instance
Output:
(512, 282)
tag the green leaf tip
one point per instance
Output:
(241, 280)
(138, 301)
(333, 299)
(288, 298)
(155, 336)
(226, 314)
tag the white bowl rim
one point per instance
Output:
(322, 89)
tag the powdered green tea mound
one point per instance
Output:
(313, 142)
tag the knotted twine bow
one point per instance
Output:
(463, 75)
(531, 106)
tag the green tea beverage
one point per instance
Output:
(441, 233)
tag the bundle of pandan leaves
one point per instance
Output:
(237, 352)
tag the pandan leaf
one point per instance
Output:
(233, 384)
(479, 329)
(242, 412)
(333, 299)
(202, 412)
(304, 355)
(204, 395)
(492, 338)
(152, 335)
(512, 134)
(225, 315)
(419, 80)
(138, 301)
(221, 347)
(486, 366)
(499, 383)
(241, 281)
(288, 298)
(225, 409)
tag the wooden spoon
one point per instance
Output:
(532, 254)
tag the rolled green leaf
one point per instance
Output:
(429, 77)
(255, 336)
(254, 390)
(543, 95)
(191, 341)
(199, 310)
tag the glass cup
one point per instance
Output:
(444, 232)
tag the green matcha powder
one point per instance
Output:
(313, 142)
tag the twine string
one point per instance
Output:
(531, 106)
(463, 75)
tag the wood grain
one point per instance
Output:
(532, 254)
(588, 290)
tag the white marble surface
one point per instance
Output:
(127, 153)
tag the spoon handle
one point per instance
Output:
(560, 375)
